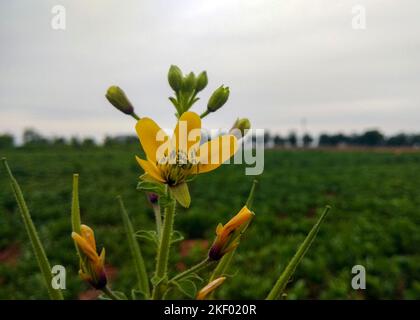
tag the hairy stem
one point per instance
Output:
(199, 266)
(163, 251)
(158, 218)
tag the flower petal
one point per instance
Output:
(88, 234)
(238, 220)
(151, 137)
(84, 246)
(150, 169)
(219, 229)
(187, 133)
(209, 288)
(216, 151)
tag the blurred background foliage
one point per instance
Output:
(375, 220)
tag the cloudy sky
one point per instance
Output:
(284, 60)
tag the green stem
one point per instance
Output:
(75, 207)
(198, 267)
(158, 218)
(178, 104)
(282, 281)
(204, 114)
(41, 257)
(135, 116)
(222, 266)
(109, 293)
(142, 279)
(181, 100)
(190, 101)
(163, 251)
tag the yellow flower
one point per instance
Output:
(174, 161)
(91, 264)
(203, 293)
(227, 236)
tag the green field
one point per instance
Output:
(375, 220)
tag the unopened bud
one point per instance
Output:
(119, 100)
(218, 98)
(201, 81)
(211, 287)
(152, 197)
(240, 127)
(92, 267)
(189, 82)
(175, 78)
(228, 235)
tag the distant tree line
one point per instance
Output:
(32, 138)
(370, 138)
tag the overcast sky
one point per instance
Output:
(284, 60)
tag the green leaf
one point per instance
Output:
(142, 278)
(250, 199)
(187, 287)
(138, 295)
(41, 257)
(151, 186)
(155, 187)
(281, 283)
(118, 294)
(181, 194)
(103, 296)
(149, 235)
(174, 102)
(156, 280)
(176, 237)
(194, 276)
(75, 210)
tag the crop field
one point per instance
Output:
(374, 221)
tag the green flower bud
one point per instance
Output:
(119, 100)
(201, 81)
(241, 125)
(175, 78)
(218, 98)
(189, 82)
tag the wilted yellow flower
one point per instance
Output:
(227, 236)
(203, 293)
(174, 161)
(91, 264)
